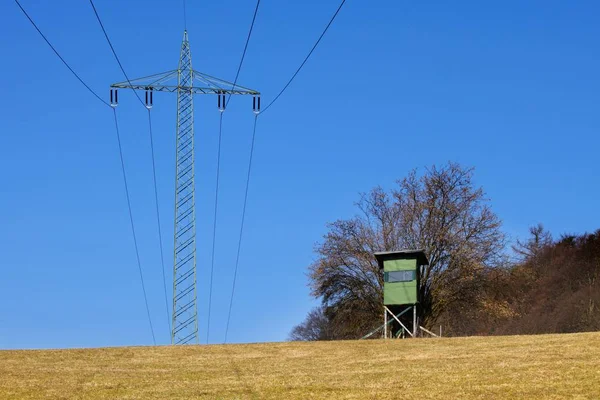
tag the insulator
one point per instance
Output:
(116, 96)
(151, 99)
(148, 103)
(221, 96)
(113, 98)
(256, 104)
(219, 100)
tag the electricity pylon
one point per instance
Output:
(189, 82)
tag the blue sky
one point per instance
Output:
(510, 88)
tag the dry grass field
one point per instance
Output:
(510, 367)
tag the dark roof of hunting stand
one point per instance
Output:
(402, 254)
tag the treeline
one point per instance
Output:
(554, 288)
(473, 285)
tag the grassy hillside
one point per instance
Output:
(536, 367)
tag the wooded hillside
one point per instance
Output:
(553, 289)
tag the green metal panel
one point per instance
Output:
(400, 265)
(400, 293)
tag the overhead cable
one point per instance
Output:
(306, 58)
(153, 162)
(59, 56)
(214, 233)
(114, 52)
(239, 246)
(251, 157)
(245, 49)
(137, 252)
(121, 158)
(217, 184)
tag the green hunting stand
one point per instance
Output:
(401, 278)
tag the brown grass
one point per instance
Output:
(511, 367)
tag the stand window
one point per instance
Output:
(399, 276)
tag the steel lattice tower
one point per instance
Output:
(184, 329)
(185, 307)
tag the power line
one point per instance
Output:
(153, 163)
(162, 257)
(214, 233)
(120, 155)
(59, 56)
(307, 57)
(212, 264)
(114, 52)
(137, 253)
(251, 156)
(245, 48)
(237, 258)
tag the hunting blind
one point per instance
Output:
(401, 278)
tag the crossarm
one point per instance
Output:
(193, 89)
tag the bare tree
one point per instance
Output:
(316, 326)
(539, 239)
(441, 212)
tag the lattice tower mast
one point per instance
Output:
(184, 328)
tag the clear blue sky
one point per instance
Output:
(510, 88)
